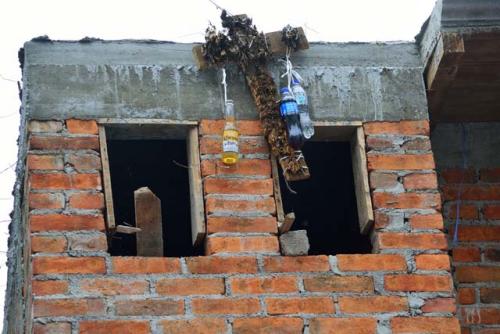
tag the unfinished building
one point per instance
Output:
(126, 221)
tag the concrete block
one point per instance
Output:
(294, 243)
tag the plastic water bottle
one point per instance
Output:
(305, 119)
(230, 149)
(289, 111)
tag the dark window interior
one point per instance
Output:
(155, 164)
(325, 204)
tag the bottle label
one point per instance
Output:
(301, 99)
(230, 141)
(288, 108)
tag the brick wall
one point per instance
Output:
(244, 286)
(476, 253)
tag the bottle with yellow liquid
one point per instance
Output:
(230, 150)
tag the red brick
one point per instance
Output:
(247, 145)
(45, 126)
(261, 167)
(271, 325)
(83, 162)
(61, 222)
(420, 181)
(245, 244)
(490, 175)
(491, 211)
(145, 265)
(190, 286)
(371, 262)
(68, 265)
(485, 331)
(473, 274)
(379, 143)
(388, 240)
(480, 315)
(52, 328)
(311, 305)
(417, 144)
(52, 287)
(87, 201)
(379, 180)
(242, 224)
(46, 201)
(373, 304)
(433, 262)
(466, 296)
(225, 306)
(407, 200)
(382, 220)
(46, 244)
(431, 221)
(489, 295)
(445, 305)
(64, 143)
(194, 326)
(421, 283)
(58, 181)
(475, 192)
(91, 242)
(296, 263)
(114, 327)
(49, 162)
(435, 325)
(400, 161)
(466, 255)
(470, 233)
(458, 175)
(238, 186)
(492, 255)
(145, 307)
(113, 286)
(467, 211)
(338, 284)
(68, 307)
(246, 128)
(82, 126)
(259, 285)
(221, 265)
(266, 205)
(343, 326)
(397, 128)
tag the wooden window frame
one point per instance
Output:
(164, 129)
(338, 131)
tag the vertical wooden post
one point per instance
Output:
(198, 229)
(148, 219)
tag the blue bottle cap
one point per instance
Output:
(295, 81)
(284, 90)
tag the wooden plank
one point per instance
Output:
(280, 214)
(287, 223)
(198, 229)
(150, 121)
(273, 40)
(127, 229)
(361, 185)
(148, 218)
(106, 176)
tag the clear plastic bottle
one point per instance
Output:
(289, 111)
(305, 119)
(230, 137)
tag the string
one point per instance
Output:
(460, 187)
(224, 84)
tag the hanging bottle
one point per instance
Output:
(289, 111)
(230, 137)
(301, 98)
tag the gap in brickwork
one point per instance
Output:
(325, 204)
(155, 164)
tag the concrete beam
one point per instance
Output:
(134, 79)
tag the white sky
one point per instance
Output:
(180, 21)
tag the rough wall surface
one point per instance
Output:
(128, 79)
(475, 184)
(243, 285)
